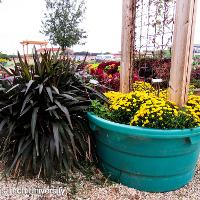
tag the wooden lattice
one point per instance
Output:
(147, 30)
(154, 25)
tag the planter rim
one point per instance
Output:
(140, 131)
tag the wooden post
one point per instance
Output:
(127, 44)
(182, 51)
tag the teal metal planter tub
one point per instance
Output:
(147, 159)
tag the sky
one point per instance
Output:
(21, 20)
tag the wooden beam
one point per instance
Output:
(25, 42)
(182, 51)
(127, 44)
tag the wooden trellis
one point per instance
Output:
(127, 45)
(181, 49)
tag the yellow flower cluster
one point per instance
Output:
(193, 106)
(92, 66)
(127, 102)
(153, 113)
(148, 88)
(143, 86)
(2, 60)
(143, 107)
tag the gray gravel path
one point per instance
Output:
(87, 187)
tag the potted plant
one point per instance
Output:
(144, 141)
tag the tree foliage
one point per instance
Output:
(62, 22)
(4, 56)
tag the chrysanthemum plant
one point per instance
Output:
(142, 107)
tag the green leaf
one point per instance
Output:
(71, 137)
(55, 89)
(41, 88)
(82, 133)
(56, 137)
(27, 109)
(65, 111)
(2, 124)
(26, 154)
(69, 97)
(26, 100)
(34, 159)
(37, 61)
(8, 106)
(29, 85)
(27, 143)
(21, 143)
(34, 121)
(52, 147)
(51, 108)
(24, 68)
(65, 163)
(55, 114)
(12, 88)
(48, 166)
(36, 143)
(48, 89)
(78, 108)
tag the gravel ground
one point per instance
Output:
(90, 187)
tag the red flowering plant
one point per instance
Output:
(195, 76)
(107, 74)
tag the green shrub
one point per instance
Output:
(42, 120)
